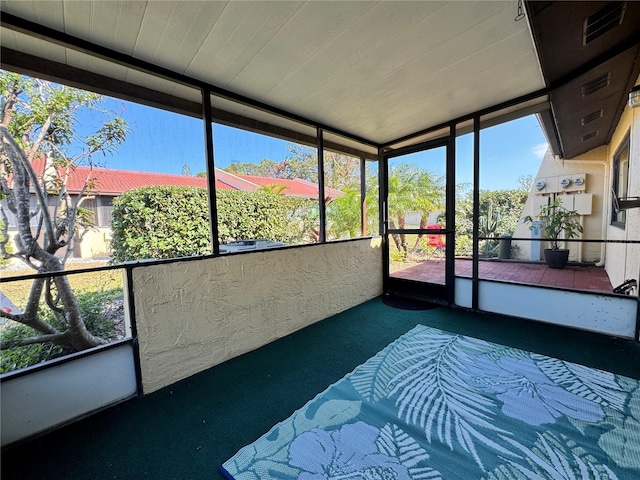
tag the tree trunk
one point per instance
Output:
(403, 237)
(395, 236)
(423, 226)
(76, 335)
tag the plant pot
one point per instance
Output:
(556, 258)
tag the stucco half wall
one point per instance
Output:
(193, 315)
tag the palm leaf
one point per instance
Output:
(432, 392)
(371, 380)
(501, 351)
(594, 385)
(395, 442)
(555, 457)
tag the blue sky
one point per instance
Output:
(164, 142)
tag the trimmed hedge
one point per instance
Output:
(170, 222)
(261, 214)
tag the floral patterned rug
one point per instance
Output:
(435, 405)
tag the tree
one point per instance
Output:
(341, 172)
(266, 168)
(412, 190)
(344, 216)
(38, 125)
(525, 182)
(499, 210)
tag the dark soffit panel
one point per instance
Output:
(590, 57)
(587, 120)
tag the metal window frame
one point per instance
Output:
(625, 144)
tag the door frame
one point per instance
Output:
(431, 292)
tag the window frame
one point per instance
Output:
(619, 219)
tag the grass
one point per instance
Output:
(18, 291)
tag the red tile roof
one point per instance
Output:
(295, 187)
(114, 182)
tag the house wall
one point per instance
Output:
(94, 243)
(193, 315)
(595, 165)
(623, 261)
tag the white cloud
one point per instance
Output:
(540, 149)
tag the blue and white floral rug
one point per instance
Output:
(436, 405)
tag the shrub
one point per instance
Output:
(502, 207)
(21, 357)
(92, 305)
(169, 222)
(160, 222)
(262, 214)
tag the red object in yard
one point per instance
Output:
(437, 241)
(7, 305)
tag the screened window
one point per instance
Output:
(266, 191)
(620, 181)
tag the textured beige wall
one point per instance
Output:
(623, 261)
(594, 165)
(193, 315)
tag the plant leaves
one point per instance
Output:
(433, 393)
(553, 457)
(622, 443)
(595, 385)
(371, 380)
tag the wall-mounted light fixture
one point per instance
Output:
(634, 97)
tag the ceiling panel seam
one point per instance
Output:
(51, 35)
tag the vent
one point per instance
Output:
(592, 117)
(589, 136)
(596, 84)
(603, 21)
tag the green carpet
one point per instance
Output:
(187, 430)
(437, 405)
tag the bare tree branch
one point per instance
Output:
(57, 338)
(11, 316)
(49, 298)
(41, 195)
(9, 102)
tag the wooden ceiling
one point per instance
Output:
(379, 71)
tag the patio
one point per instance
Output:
(575, 277)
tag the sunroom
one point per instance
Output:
(427, 109)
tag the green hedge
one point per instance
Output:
(262, 214)
(160, 222)
(170, 222)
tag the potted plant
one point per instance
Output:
(555, 220)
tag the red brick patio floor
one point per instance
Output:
(576, 277)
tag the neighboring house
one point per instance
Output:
(109, 183)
